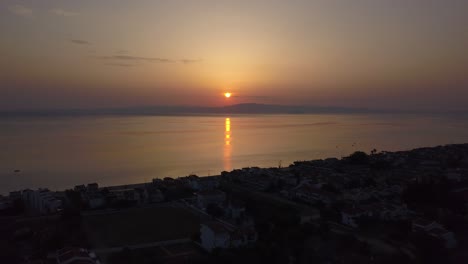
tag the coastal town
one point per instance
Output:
(378, 207)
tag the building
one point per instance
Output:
(92, 188)
(130, 195)
(41, 201)
(436, 230)
(423, 225)
(154, 194)
(16, 195)
(350, 216)
(214, 235)
(80, 188)
(96, 200)
(235, 209)
(5, 202)
(310, 194)
(243, 237)
(202, 183)
(76, 256)
(447, 237)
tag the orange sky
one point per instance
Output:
(377, 54)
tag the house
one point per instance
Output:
(96, 201)
(154, 195)
(202, 183)
(349, 216)
(5, 202)
(204, 198)
(80, 188)
(243, 237)
(92, 188)
(435, 229)
(422, 224)
(16, 195)
(214, 235)
(235, 209)
(41, 201)
(76, 256)
(129, 195)
(445, 236)
(309, 194)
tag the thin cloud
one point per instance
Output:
(20, 10)
(64, 13)
(80, 42)
(190, 61)
(119, 64)
(135, 58)
(121, 51)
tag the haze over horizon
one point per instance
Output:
(408, 55)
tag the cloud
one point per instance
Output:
(80, 42)
(64, 13)
(190, 61)
(21, 10)
(121, 51)
(119, 64)
(125, 59)
(135, 58)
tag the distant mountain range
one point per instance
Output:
(247, 108)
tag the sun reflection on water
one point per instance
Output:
(227, 145)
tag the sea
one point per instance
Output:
(61, 152)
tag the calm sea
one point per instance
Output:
(59, 153)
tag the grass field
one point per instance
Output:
(137, 226)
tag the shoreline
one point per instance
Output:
(143, 184)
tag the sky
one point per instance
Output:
(365, 53)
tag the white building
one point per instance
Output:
(41, 201)
(214, 235)
(219, 235)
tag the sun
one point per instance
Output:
(227, 95)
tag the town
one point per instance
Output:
(380, 207)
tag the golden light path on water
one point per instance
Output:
(227, 145)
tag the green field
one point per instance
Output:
(137, 226)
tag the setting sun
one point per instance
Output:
(227, 95)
